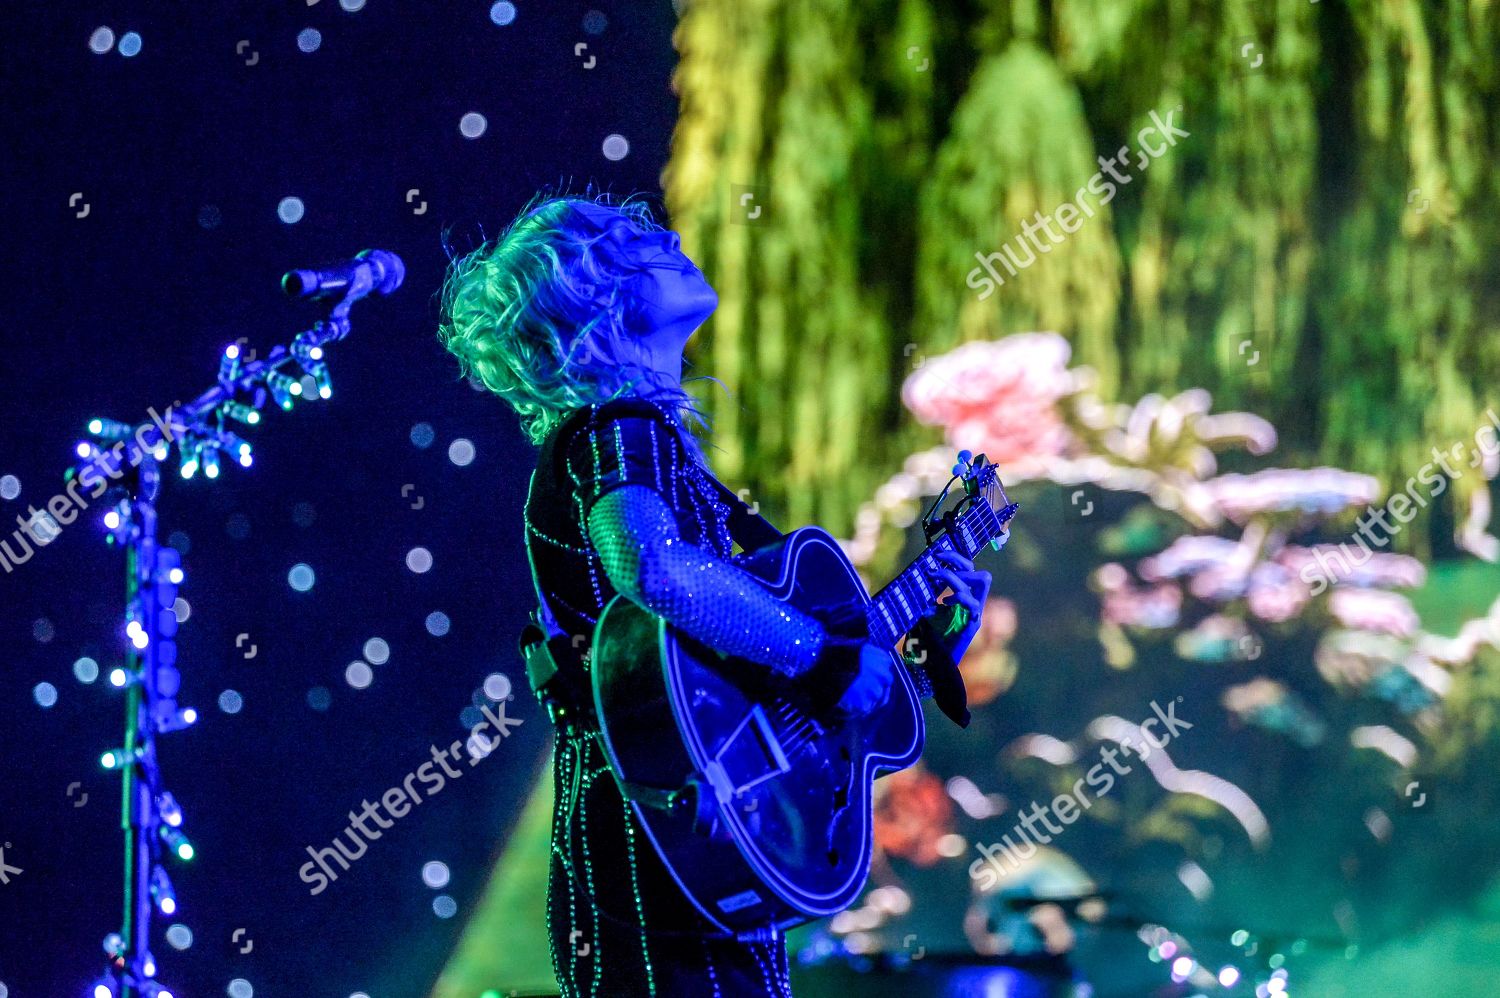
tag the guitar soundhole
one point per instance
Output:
(833, 857)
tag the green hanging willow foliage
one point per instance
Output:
(1319, 249)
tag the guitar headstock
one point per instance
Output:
(985, 509)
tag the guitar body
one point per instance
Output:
(761, 813)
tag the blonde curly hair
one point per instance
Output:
(539, 316)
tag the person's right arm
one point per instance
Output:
(649, 562)
(720, 604)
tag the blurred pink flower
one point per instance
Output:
(1189, 556)
(1276, 595)
(997, 397)
(1374, 610)
(1314, 491)
(1365, 568)
(1152, 607)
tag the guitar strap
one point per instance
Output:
(543, 645)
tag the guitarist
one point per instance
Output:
(577, 316)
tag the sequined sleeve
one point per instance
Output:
(616, 467)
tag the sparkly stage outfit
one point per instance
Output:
(618, 924)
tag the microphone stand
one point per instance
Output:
(150, 816)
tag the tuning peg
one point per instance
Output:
(962, 467)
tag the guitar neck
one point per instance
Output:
(909, 597)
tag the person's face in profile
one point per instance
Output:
(672, 296)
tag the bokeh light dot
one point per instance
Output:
(230, 702)
(472, 125)
(43, 528)
(352, 6)
(444, 906)
(377, 652)
(470, 717)
(301, 577)
(319, 698)
(359, 675)
(497, 686)
(130, 44)
(43, 631)
(308, 39)
(480, 745)
(45, 694)
(616, 147)
(180, 541)
(182, 610)
(422, 435)
(102, 40)
(503, 12)
(594, 22)
(10, 487)
(290, 210)
(419, 560)
(304, 514)
(86, 670)
(461, 452)
(435, 874)
(240, 988)
(179, 936)
(438, 623)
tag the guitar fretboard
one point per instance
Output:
(909, 597)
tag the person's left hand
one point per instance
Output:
(971, 587)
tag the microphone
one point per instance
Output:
(382, 271)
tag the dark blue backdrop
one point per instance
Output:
(182, 154)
